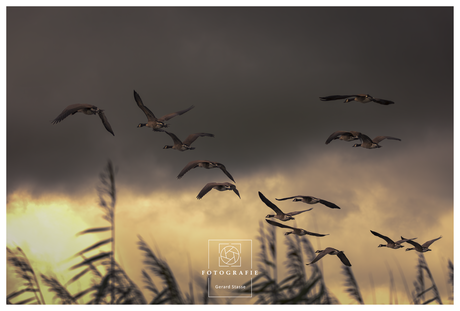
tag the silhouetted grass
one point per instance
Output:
(351, 286)
(451, 278)
(30, 291)
(109, 284)
(326, 296)
(419, 284)
(296, 287)
(103, 289)
(171, 292)
(264, 285)
(149, 285)
(299, 288)
(61, 293)
(108, 189)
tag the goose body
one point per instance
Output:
(331, 251)
(279, 213)
(182, 146)
(368, 143)
(152, 122)
(220, 186)
(343, 135)
(296, 231)
(205, 164)
(362, 98)
(421, 248)
(85, 109)
(390, 243)
(310, 200)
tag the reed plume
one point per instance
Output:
(295, 287)
(451, 278)
(419, 284)
(61, 293)
(171, 292)
(351, 286)
(30, 293)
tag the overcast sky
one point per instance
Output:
(255, 76)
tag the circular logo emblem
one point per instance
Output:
(229, 255)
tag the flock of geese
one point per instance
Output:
(158, 125)
(365, 142)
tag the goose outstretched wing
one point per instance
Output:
(173, 114)
(382, 101)
(344, 259)
(277, 224)
(104, 120)
(387, 239)
(335, 97)
(192, 137)
(380, 138)
(428, 243)
(298, 212)
(71, 109)
(206, 189)
(270, 204)
(176, 140)
(149, 114)
(328, 204)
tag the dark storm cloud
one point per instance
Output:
(253, 74)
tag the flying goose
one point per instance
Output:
(86, 109)
(368, 143)
(331, 251)
(279, 214)
(182, 146)
(343, 135)
(310, 200)
(206, 164)
(421, 248)
(390, 243)
(296, 231)
(152, 121)
(362, 98)
(221, 186)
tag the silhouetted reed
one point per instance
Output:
(264, 286)
(326, 296)
(299, 288)
(108, 189)
(171, 292)
(351, 286)
(296, 287)
(451, 278)
(109, 284)
(61, 293)
(30, 293)
(419, 284)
